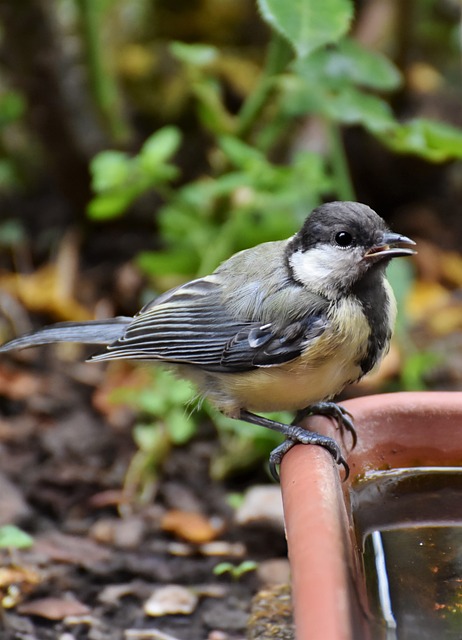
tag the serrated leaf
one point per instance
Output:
(308, 24)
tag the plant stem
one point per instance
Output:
(102, 83)
(343, 182)
(279, 54)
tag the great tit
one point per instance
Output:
(281, 326)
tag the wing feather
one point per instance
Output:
(190, 325)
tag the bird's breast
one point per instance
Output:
(327, 364)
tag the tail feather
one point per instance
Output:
(92, 332)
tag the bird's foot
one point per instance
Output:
(294, 435)
(299, 435)
(336, 412)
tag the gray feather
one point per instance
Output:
(193, 325)
(92, 332)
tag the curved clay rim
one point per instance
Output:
(394, 431)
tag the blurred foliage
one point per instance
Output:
(11, 537)
(245, 197)
(169, 412)
(236, 571)
(232, 160)
(119, 179)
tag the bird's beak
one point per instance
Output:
(388, 247)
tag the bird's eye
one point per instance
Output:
(343, 239)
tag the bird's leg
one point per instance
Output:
(295, 435)
(332, 410)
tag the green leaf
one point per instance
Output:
(9, 177)
(178, 261)
(245, 567)
(152, 402)
(308, 24)
(240, 154)
(432, 140)
(110, 205)
(352, 106)
(148, 436)
(178, 391)
(416, 367)
(12, 537)
(180, 426)
(222, 567)
(159, 147)
(235, 570)
(342, 104)
(400, 274)
(211, 109)
(12, 107)
(198, 55)
(349, 63)
(362, 66)
(109, 170)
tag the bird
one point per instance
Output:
(284, 325)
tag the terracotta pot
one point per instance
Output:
(395, 431)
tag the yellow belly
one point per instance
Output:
(290, 387)
(331, 362)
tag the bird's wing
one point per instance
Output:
(190, 325)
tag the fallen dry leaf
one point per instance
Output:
(71, 549)
(424, 298)
(119, 375)
(53, 608)
(18, 575)
(170, 600)
(261, 503)
(423, 78)
(51, 288)
(112, 594)
(15, 583)
(126, 533)
(191, 526)
(447, 319)
(18, 385)
(451, 268)
(223, 548)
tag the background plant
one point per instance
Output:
(313, 69)
(241, 174)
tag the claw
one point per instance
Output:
(334, 411)
(297, 435)
(277, 455)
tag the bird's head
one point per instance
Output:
(340, 244)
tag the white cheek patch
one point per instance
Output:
(324, 267)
